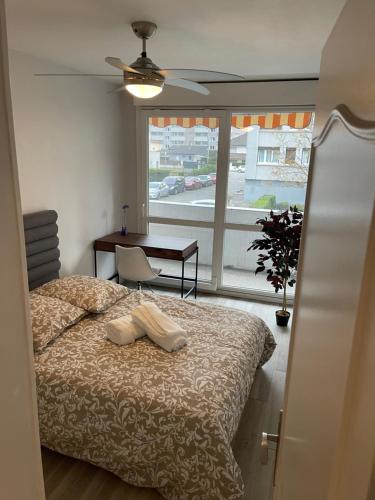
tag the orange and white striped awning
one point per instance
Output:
(268, 120)
(185, 122)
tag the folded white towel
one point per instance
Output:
(123, 331)
(159, 327)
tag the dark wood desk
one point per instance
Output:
(161, 247)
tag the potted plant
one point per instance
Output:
(280, 250)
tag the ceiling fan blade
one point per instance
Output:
(199, 75)
(117, 63)
(186, 84)
(73, 74)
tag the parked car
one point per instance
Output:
(205, 180)
(175, 183)
(192, 183)
(213, 177)
(198, 182)
(157, 190)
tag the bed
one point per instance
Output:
(155, 419)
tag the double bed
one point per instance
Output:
(155, 419)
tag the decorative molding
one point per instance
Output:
(362, 129)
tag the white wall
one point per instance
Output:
(293, 93)
(70, 151)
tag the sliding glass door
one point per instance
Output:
(209, 175)
(181, 160)
(267, 170)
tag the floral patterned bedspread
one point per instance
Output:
(157, 419)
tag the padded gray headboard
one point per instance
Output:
(42, 252)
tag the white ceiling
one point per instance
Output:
(250, 37)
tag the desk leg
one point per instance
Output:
(182, 279)
(196, 274)
(95, 265)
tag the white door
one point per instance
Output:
(327, 442)
(21, 475)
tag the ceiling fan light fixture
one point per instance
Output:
(144, 79)
(144, 90)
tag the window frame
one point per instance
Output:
(290, 160)
(269, 161)
(219, 225)
(307, 152)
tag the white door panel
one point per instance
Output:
(337, 230)
(21, 475)
(327, 443)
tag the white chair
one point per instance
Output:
(133, 265)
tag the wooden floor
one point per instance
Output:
(69, 479)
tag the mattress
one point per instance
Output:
(153, 418)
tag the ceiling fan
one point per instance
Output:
(144, 79)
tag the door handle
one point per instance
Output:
(266, 438)
(271, 438)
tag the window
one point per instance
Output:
(259, 177)
(306, 156)
(187, 157)
(203, 235)
(267, 169)
(239, 264)
(268, 155)
(290, 155)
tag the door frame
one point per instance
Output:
(21, 470)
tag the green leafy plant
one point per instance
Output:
(280, 248)
(265, 201)
(207, 169)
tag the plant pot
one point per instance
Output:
(282, 317)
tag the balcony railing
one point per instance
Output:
(197, 223)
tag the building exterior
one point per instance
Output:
(275, 164)
(174, 135)
(265, 151)
(154, 154)
(274, 161)
(187, 156)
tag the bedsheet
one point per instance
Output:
(155, 419)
